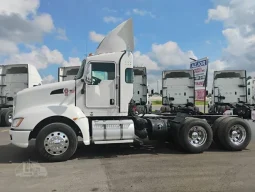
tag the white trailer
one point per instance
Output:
(67, 73)
(95, 106)
(251, 91)
(141, 93)
(178, 89)
(14, 78)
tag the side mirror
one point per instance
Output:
(161, 92)
(147, 90)
(152, 91)
(206, 93)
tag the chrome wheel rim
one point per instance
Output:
(197, 136)
(10, 118)
(237, 134)
(56, 143)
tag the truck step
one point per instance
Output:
(242, 96)
(2, 85)
(191, 87)
(2, 74)
(143, 84)
(241, 85)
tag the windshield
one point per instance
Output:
(81, 70)
(228, 75)
(177, 75)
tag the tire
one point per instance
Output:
(3, 114)
(45, 133)
(6, 116)
(226, 127)
(215, 127)
(205, 129)
(177, 139)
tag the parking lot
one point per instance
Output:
(153, 167)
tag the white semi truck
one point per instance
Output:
(141, 93)
(178, 89)
(251, 91)
(67, 73)
(229, 91)
(95, 106)
(14, 78)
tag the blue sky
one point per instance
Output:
(166, 33)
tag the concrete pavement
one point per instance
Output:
(154, 167)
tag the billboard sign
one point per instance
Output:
(200, 68)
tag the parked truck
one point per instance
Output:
(251, 91)
(141, 93)
(67, 73)
(178, 90)
(95, 106)
(14, 78)
(229, 93)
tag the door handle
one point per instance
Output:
(111, 101)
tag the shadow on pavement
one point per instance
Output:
(13, 154)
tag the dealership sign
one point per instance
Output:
(200, 71)
(200, 68)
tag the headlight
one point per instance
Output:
(16, 122)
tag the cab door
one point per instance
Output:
(101, 91)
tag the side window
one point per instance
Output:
(102, 71)
(129, 76)
(249, 91)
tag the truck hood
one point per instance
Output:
(49, 94)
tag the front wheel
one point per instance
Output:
(56, 142)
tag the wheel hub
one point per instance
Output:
(56, 143)
(237, 134)
(197, 136)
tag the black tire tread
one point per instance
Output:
(73, 141)
(184, 132)
(223, 134)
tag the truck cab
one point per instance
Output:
(14, 78)
(141, 94)
(67, 73)
(251, 91)
(178, 89)
(229, 87)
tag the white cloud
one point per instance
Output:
(237, 17)
(21, 24)
(61, 34)
(170, 54)
(48, 79)
(72, 61)
(140, 12)
(96, 37)
(7, 47)
(111, 19)
(144, 60)
(220, 13)
(40, 57)
(21, 7)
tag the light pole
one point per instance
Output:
(157, 86)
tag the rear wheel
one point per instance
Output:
(7, 116)
(196, 136)
(215, 127)
(56, 142)
(3, 117)
(234, 134)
